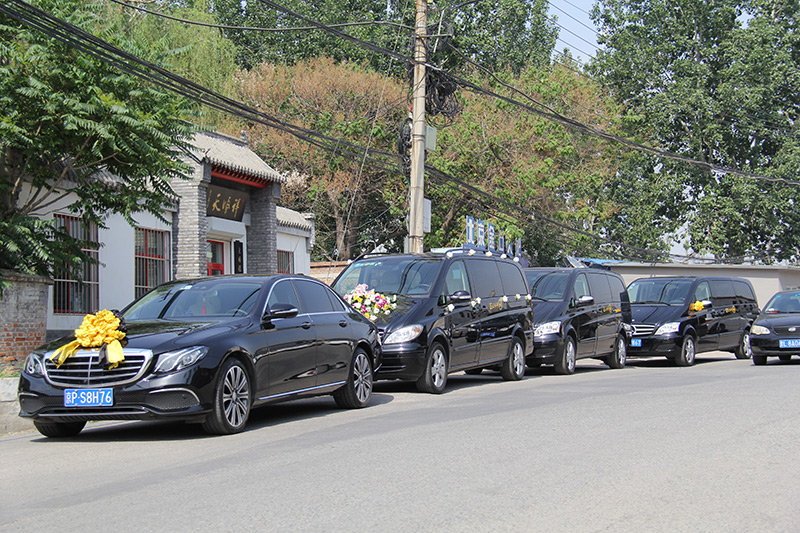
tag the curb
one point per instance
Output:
(10, 421)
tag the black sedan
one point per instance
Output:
(205, 350)
(776, 331)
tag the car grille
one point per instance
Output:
(643, 329)
(83, 369)
(784, 332)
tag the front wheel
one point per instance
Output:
(620, 355)
(565, 365)
(231, 400)
(785, 357)
(759, 360)
(58, 430)
(434, 375)
(744, 351)
(686, 357)
(356, 393)
(513, 368)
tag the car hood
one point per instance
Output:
(781, 320)
(656, 313)
(165, 335)
(398, 316)
(546, 311)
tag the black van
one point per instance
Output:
(679, 317)
(579, 313)
(458, 310)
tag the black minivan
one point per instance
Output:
(579, 313)
(679, 317)
(455, 310)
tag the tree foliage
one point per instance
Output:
(716, 81)
(68, 122)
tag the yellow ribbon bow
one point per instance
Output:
(99, 329)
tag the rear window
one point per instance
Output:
(513, 280)
(617, 289)
(743, 290)
(722, 288)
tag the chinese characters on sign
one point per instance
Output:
(484, 235)
(225, 203)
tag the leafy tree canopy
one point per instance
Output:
(68, 122)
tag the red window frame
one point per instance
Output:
(285, 262)
(151, 257)
(215, 269)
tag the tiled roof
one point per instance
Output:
(292, 219)
(234, 154)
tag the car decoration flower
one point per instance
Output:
(696, 306)
(103, 329)
(369, 303)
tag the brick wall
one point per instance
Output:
(23, 314)
(327, 271)
(262, 243)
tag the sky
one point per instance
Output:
(577, 30)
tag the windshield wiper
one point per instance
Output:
(649, 302)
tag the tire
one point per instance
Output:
(565, 365)
(232, 400)
(58, 430)
(473, 371)
(744, 351)
(687, 355)
(434, 376)
(356, 393)
(785, 357)
(620, 356)
(513, 368)
(759, 360)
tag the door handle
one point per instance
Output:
(306, 325)
(343, 323)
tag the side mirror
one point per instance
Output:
(459, 297)
(280, 310)
(584, 300)
(707, 304)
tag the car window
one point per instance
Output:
(601, 291)
(618, 292)
(548, 285)
(722, 288)
(313, 296)
(282, 293)
(580, 287)
(512, 277)
(743, 290)
(660, 290)
(485, 278)
(702, 292)
(456, 278)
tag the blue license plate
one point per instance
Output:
(789, 343)
(88, 397)
(636, 342)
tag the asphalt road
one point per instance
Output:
(648, 448)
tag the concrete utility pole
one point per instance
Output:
(417, 180)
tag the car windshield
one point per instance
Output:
(659, 291)
(409, 276)
(548, 285)
(784, 303)
(212, 298)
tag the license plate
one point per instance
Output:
(789, 343)
(88, 397)
(636, 342)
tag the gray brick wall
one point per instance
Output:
(262, 243)
(190, 224)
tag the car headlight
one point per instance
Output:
(759, 330)
(548, 328)
(408, 333)
(34, 366)
(669, 327)
(180, 359)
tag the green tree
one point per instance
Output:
(716, 81)
(79, 134)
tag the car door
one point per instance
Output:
(604, 311)
(287, 360)
(729, 321)
(332, 329)
(495, 321)
(583, 317)
(707, 320)
(462, 322)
